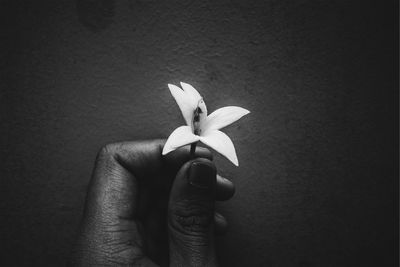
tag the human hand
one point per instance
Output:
(144, 209)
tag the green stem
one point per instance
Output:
(192, 150)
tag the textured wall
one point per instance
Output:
(317, 184)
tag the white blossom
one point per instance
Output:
(200, 126)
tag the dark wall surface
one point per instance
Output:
(318, 178)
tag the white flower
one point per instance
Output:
(199, 126)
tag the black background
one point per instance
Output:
(318, 178)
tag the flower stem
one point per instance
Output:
(192, 150)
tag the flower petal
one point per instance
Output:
(179, 137)
(192, 93)
(185, 103)
(223, 117)
(221, 143)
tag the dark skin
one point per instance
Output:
(145, 209)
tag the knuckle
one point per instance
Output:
(124, 253)
(194, 221)
(108, 151)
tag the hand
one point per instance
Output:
(143, 208)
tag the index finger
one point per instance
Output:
(114, 186)
(144, 158)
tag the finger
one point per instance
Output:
(221, 224)
(111, 204)
(191, 214)
(127, 163)
(113, 189)
(225, 189)
(178, 157)
(143, 158)
(147, 159)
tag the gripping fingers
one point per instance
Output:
(220, 224)
(225, 189)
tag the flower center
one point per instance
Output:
(196, 121)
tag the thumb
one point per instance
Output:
(191, 213)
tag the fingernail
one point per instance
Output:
(222, 178)
(201, 175)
